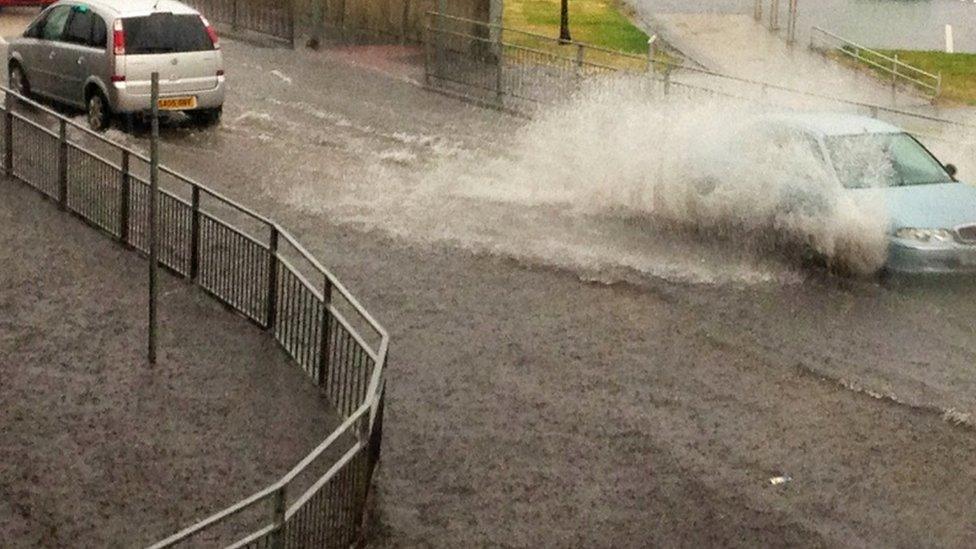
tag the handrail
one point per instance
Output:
(874, 52)
(206, 523)
(847, 45)
(323, 479)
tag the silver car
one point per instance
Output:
(931, 216)
(99, 55)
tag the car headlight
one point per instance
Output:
(925, 235)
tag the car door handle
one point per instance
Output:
(51, 56)
(81, 60)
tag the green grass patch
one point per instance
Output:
(602, 23)
(596, 22)
(958, 71)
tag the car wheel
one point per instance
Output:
(18, 80)
(98, 115)
(207, 117)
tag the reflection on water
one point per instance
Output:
(909, 24)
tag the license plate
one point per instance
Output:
(177, 103)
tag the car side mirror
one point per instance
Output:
(951, 170)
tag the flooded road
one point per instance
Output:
(873, 23)
(565, 372)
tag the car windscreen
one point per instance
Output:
(165, 33)
(883, 160)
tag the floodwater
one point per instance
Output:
(567, 371)
(908, 24)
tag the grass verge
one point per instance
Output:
(958, 70)
(597, 22)
(602, 23)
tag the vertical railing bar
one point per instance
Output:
(324, 347)
(194, 232)
(272, 297)
(8, 135)
(62, 164)
(345, 372)
(278, 518)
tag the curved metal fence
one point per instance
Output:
(256, 268)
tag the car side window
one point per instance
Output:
(55, 23)
(99, 34)
(79, 27)
(36, 28)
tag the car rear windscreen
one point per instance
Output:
(165, 33)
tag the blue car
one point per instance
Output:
(931, 215)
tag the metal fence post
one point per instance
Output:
(774, 15)
(124, 194)
(324, 348)
(272, 279)
(8, 135)
(894, 81)
(62, 164)
(500, 73)
(278, 519)
(291, 24)
(667, 79)
(427, 53)
(438, 45)
(195, 233)
(579, 62)
(938, 84)
(757, 11)
(233, 15)
(791, 25)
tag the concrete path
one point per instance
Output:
(735, 44)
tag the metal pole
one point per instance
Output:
(318, 21)
(757, 11)
(153, 217)
(774, 15)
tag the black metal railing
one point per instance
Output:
(256, 268)
(275, 19)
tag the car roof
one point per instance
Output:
(824, 124)
(135, 8)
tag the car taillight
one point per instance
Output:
(118, 38)
(211, 32)
(220, 72)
